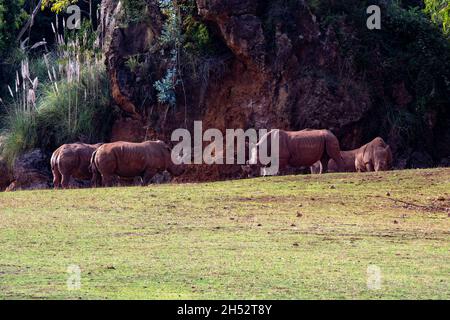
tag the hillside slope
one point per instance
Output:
(280, 237)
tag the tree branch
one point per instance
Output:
(30, 21)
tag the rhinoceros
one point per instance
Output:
(71, 160)
(374, 156)
(301, 149)
(129, 160)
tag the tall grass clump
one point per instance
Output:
(19, 137)
(70, 103)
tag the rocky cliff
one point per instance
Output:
(281, 66)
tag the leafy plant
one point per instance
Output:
(197, 35)
(69, 102)
(134, 11)
(439, 10)
(57, 6)
(133, 63)
(20, 135)
(171, 39)
(166, 88)
(12, 15)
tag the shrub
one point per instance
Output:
(439, 11)
(71, 101)
(12, 16)
(166, 88)
(134, 11)
(20, 136)
(77, 111)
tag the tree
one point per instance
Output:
(439, 10)
(57, 5)
(12, 15)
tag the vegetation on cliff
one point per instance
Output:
(439, 10)
(59, 94)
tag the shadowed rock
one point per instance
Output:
(31, 171)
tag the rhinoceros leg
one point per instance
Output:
(65, 181)
(316, 168)
(333, 151)
(148, 175)
(324, 166)
(108, 180)
(56, 178)
(369, 167)
(96, 180)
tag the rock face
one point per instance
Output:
(5, 175)
(120, 43)
(31, 171)
(270, 84)
(277, 73)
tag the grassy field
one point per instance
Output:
(293, 237)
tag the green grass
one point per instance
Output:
(293, 237)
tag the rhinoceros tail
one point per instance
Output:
(53, 161)
(54, 158)
(55, 170)
(333, 149)
(96, 177)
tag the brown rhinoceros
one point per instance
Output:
(303, 148)
(348, 161)
(129, 160)
(71, 160)
(373, 156)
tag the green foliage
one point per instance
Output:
(417, 54)
(57, 6)
(133, 63)
(77, 111)
(171, 34)
(171, 39)
(166, 88)
(20, 137)
(134, 11)
(72, 99)
(439, 10)
(12, 15)
(86, 42)
(197, 35)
